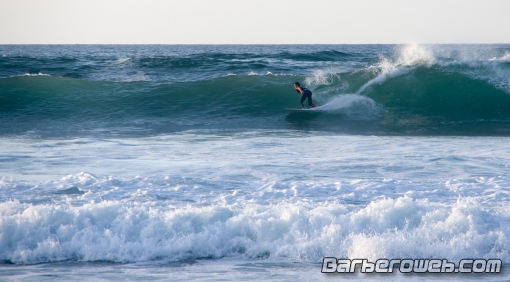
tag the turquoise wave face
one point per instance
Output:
(388, 90)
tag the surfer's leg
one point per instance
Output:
(303, 97)
(310, 100)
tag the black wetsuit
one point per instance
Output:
(306, 94)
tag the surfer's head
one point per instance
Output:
(296, 85)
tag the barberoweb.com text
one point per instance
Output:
(332, 265)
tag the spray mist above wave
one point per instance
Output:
(477, 63)
(408, 58)
(354, 106)
(484, 63)
(321, 77)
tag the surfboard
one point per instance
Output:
(296, 110)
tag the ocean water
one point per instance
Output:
(180, 162)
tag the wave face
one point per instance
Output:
(410, 89)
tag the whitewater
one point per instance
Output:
(180, 162)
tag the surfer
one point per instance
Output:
(305, 93)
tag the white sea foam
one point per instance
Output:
(123, 60)
(321, 77)
(120, 232)
(506, 57)
(36, 74)
(253, 195)
(30, 75)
